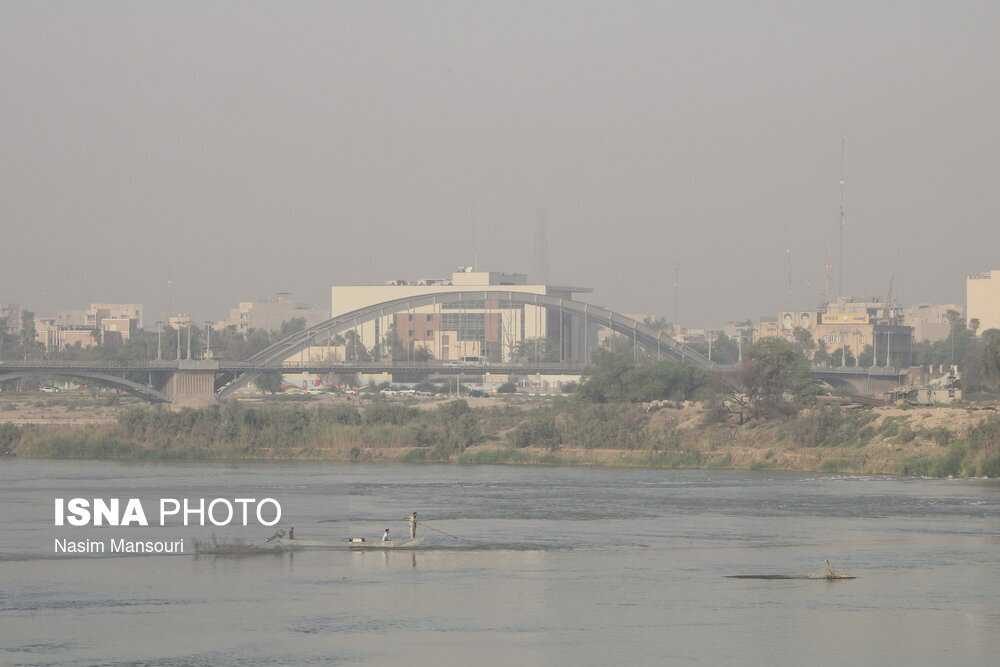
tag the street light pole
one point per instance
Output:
(159, 337)
(208, 339)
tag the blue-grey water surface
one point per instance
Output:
(517, 566)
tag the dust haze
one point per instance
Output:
(238, 149)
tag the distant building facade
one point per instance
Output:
(54, 334)
(270, 315)
(115, 322)
(179, 320)
(10, 315)
(849, 325)
(98, 312)
(930, 320)
(99, 323)
(982, 300)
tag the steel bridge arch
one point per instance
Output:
(643, 335)
(135, 388)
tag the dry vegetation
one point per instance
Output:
(922, 441)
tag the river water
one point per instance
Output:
(516, 566)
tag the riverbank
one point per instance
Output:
(939, 442)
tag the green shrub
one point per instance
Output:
(890, 426)
(414, 456)
(539, 430)
(836, 465)
(917, 466)
(673, 459)
(10, 435)
(949, 465)
(990, 466)
(495, 456)
(383, 412)
(831, 427)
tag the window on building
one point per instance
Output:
(469, 326)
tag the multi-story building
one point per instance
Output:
(98, 312)
(10, 317)
(114, 321)
(100, 323)
(270, 315)
(488, 327)
(930, 321)
(54, 334)
(850, 325)
(982, 300)
(179, 320)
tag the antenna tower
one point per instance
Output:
(541, 247)
(843, 213)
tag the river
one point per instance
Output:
(517, 566)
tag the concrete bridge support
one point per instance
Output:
(192, 384)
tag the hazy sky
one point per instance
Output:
(240, 149)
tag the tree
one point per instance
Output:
(354, 349)
(615, 377)
(990, 374)
(776, 377)
(658, 324)
(269, 382)
(842, 356)
(294, 325)
(867, 357)
(606, 379)
(29, 334)
(724, 349)
(804, 341)
(535, 350)
(821, 357)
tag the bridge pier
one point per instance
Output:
(192, 384)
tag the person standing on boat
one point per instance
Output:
(413, 526)
(385, 536)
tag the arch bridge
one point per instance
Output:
(204, 381)
(577, 316)
(105, 376)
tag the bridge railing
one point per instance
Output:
(89, 365)
(402, 365)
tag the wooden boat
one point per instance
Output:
(816, 577)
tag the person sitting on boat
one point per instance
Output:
(385, 536)
(413, 525)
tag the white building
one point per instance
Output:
(982, 300)
(475, 328)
